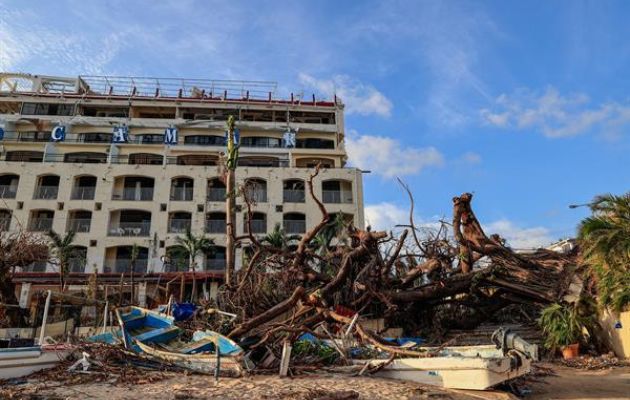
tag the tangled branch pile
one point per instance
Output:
(423, 285)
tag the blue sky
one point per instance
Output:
(523, 103)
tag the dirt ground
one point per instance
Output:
(568, 384)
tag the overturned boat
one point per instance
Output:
(156, 335)
(464, 367)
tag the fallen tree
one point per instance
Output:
(456, 273)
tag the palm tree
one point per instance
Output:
(605, 241)
(63, 250)
(278, 238)
(193, 246)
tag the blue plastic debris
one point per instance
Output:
(183, 311)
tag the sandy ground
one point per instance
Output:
(580, 384)
(568, 384)
(320, 387)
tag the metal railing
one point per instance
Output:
(8, 192)
(83, 193)
(215, 226)
(40, 224)
(216, 194)
(336, 196)
(124, 265)
(257, 195)
(215, 264)
(130, 229)
(5, 224)
(179, 225)
(293, 196)
(294, 226)
(258, 226)
(79, 225)
(133, 194)
(181, 194)
(46, 192)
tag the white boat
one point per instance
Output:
(465, 367)
(22, 361)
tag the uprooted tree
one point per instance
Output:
(423, 281)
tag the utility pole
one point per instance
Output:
(230, 200)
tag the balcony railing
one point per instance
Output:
(181, 194)
(130, 229)
(215, 226)
(8, 192)
(79, 225)
(258, 226)
(124, 265)
(336, 196)
(179, 225)
(5, 224)
(257, 195)
(46, 192)
(133, 194)
(294, 226)
(83, 193)
(40, 224)
(293, 196)
(177, 266)
(216, 194)
(214, 264)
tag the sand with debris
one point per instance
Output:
(329, 386)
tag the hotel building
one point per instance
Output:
(124, 161)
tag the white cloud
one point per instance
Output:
(388, 157)
(385, 216)
(359, 98)
(554, 114)
(518, 237)
(471, 158)
(25, 42)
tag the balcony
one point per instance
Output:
(256, 190)
(5, 223)
(40, 224)
(46, 192)
(123, 265)
(336, 197)
(337, 192)
(8, 192)
(79, 225)
(182, 189)
(216, 194)
(133, 194)
(179, 225)
(215, 226)
(294, 226)
(258, 226)
(76, 265)
(214, 264)
(293, 196)
(83, 193)
(130, 229)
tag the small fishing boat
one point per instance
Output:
(156, 335)
(464, 367)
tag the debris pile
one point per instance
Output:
(604, 361)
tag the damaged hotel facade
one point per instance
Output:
(137, 161)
